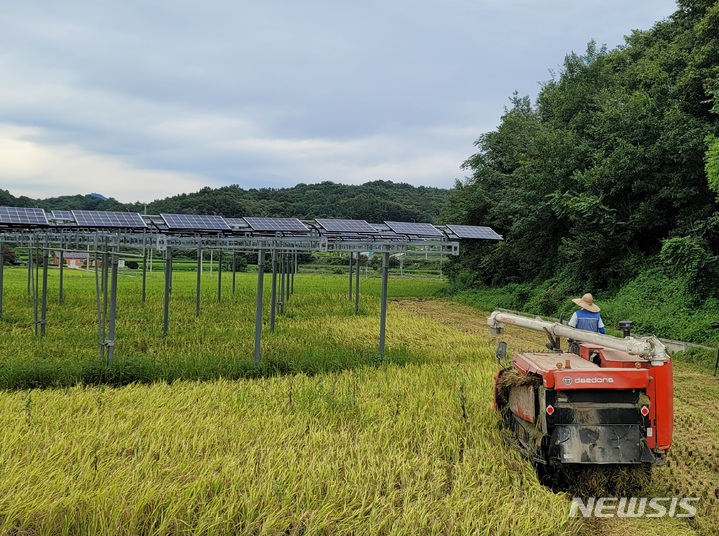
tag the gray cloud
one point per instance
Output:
(272, 93)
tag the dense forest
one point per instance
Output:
(612, 173)
(375, 201)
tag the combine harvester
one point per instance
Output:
(607, 401)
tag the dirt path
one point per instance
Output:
(469, 320)
(693, 467)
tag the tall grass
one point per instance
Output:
(394, 450)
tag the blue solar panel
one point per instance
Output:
(414, 229)
(236, 222)
(63, 215)
(101, 219)
(472, 231)
(198, 222)
(23, 216)
(292, 225)
(346, 226)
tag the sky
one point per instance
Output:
(144, 99)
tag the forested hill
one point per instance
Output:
(608, 174)
(373, 201)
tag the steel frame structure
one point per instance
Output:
(113, 243)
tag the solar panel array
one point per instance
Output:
(196, 222)
(346, 226)
(472, 231)
(23, 216)
(289, 225)
(414, 229)
(102, 219)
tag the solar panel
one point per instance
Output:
(195, 221)
(236, 222)
(472, 231)
(346, 226)
(292, 225)
(154, 221)
(23, 216)
(63, 215)
(415, 229)
(99, 218)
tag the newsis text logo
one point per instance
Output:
(634, 507)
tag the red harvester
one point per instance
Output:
(607, 401)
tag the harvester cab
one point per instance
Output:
(610, 402)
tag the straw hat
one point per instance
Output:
(587, 302)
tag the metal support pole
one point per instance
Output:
(98, 301)
(234, 270)
(43, 310)
(197, 285)
(35, 287)
(29, 265)
(2, 270)
(288, 268)
(110, 342)
(103, 273)
(350, 284)
(294, 271)
(383, 306)
(144, 274)
(170, 268)
(105, 284)
(62, 268)
(273, 299)
(168, 289)
(144, 267)
(219, 277)
(357, 284)
(258, 314)
(282, 283)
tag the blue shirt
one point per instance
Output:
(587, 321)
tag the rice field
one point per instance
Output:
(343, 441)
(319, 331)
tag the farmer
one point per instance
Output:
(587, 318)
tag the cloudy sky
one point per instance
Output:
(142, 99)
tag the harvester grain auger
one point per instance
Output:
(607, 402)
